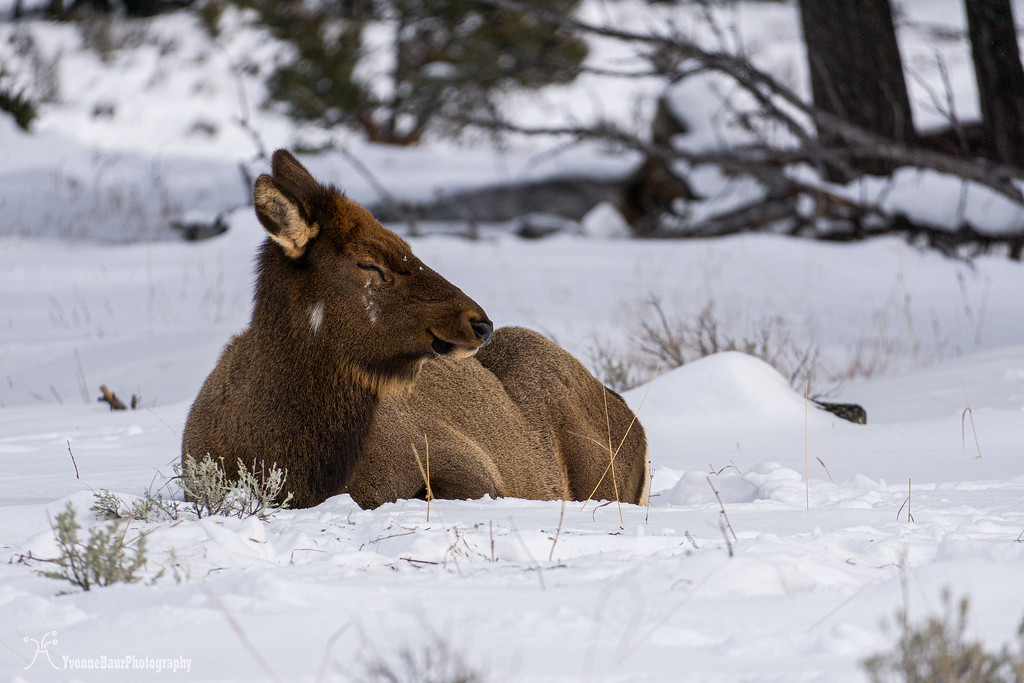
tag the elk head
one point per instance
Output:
(334, 282)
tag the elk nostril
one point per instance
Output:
(483, 330)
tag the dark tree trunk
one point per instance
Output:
(1000, 78)
(55, 9)
(856, 70)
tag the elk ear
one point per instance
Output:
(292, 176)
(282, 218)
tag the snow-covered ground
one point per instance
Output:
(532, 591)
(654, 595)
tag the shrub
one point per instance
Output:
(939, 651)
(104, 559)
(667, 343)
(150, 507)
(435, 662)
(16, 102)
(210, 492)
(612, 368)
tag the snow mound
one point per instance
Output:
(708, 411)
(764, 481)
(604, 222)
(729, 383)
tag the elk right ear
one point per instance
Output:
(282, 218)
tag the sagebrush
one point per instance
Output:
(665, 342)
(149, 507)
(435, 662)
(939, 650)
(209, 491)
(105, 558)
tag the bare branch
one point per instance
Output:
(668, 50)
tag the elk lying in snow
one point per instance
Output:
(360, 359)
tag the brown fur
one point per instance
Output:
(358, 353)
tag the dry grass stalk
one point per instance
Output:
(73, 460)
(963, 430)
(721, 506)
(490, 525)
(624, 437)
(558, 531)
(807, 481)
(425, 472)
(650, 482)
(240, 633)
(824, 467)
(325, 660)
(611, 458)
(529, 555)
(906, 504)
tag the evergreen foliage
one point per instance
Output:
(447, 58)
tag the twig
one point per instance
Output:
(237, 628)
(325, 660)
(724, 516)
(669, 49)
(73, 460)
(906, 504)
(722, 506)
(667, 616)
(554, 541)
(841, 605)
(807, 481)
(526, 549)
(384, 538)
(451, 551)
(490, 525)
(728, 543)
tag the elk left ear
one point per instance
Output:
(281, 217)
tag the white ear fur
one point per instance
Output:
(281, 218)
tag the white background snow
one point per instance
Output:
(654, 594)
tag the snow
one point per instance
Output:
(604, 222)
(653, 595)
(522, 590)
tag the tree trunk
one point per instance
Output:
(856, 70)
(55, 9)
(1000, 78)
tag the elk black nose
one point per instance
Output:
(483, 330)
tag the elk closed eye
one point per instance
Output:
(373, 267)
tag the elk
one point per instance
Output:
(360, 360)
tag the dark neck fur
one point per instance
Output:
(326, 404)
